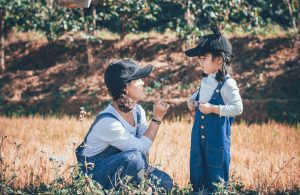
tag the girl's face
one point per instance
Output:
(209, 64)
(135, 90)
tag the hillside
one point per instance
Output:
(54, 78)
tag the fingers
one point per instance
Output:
(200, 106)
(192, 104)
(160, 109)
(164, 105)
(192, 107)
(161, 103)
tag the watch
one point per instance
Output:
(158, 122)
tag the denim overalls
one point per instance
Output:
(112, 164)
(210, 146)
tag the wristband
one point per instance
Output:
(158, 122)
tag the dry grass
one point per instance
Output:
(258, 151)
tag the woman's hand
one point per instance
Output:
(160, 108)
(192, 104)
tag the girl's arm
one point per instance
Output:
(232, 99)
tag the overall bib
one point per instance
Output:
(210, 146)
(113, 165)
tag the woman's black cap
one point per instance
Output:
(211, 43)
(118, 74)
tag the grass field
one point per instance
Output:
(265, 157)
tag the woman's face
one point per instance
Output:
(135, 90)
(209, 64)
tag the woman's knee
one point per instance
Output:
(135, 161)
(162, 179)
(167, 183)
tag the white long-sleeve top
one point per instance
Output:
(109, 131)
(230, 94)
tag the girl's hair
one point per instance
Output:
(124, 102)
(225, 69)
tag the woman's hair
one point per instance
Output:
(124, 102)
(225, 69)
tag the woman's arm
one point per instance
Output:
(112, 132)
(159, 110)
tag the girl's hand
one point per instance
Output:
(207, 108)
(160, 108)
(192, 105)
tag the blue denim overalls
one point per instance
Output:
(210, 146)
(112, 164)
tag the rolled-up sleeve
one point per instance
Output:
(113, 133)
(233, 101)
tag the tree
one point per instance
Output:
(127, 15)
(15, 14)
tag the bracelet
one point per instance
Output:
(158, 122)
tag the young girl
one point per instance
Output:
(216, 103)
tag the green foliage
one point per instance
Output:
(54, 23)
(67, 91)
(233, 187)
(128, 16)
(283, 12)
(186, 17)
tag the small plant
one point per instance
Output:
(232, 187)
(7, 183)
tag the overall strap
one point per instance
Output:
(80, 148)
(217, 91)
(221, 84)
(138, 115)
(110, 115)
(98, 118)
(138, 120)
(198, 95)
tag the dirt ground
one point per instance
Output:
(54, 78)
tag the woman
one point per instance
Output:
(119, 140)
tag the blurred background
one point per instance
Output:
(53, 58)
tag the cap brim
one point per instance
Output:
(196, 51)
(142, 73)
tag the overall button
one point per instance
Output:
(202, 117)
(217, 90)
(202, 127)
(202, 136)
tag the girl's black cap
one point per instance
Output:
(118, 74)
(215, 42)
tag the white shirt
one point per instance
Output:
(109, 131)
(230, 94)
